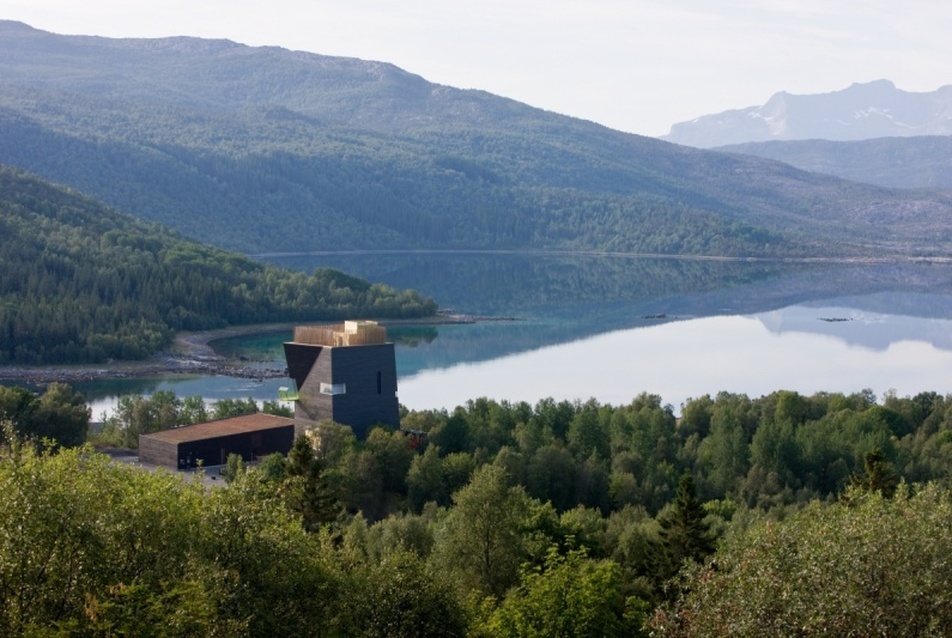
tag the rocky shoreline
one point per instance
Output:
(193, 354)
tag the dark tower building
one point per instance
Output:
(347, 373)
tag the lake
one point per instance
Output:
(611, 327)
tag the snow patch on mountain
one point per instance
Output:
(861, 111)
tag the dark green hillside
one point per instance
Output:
(300, 187)
(81, 283)
(264, 149)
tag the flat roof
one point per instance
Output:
(223, 427)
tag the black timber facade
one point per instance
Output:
(251, 436)
(351, 385)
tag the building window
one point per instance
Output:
(333, 388)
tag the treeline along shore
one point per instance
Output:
(194, 353)
(85, 284)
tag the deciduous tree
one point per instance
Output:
(570, 596)
(481, 541)
(870, 566)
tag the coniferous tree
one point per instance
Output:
(305, 487)
(879, 475)
(684, 534)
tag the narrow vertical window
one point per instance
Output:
(379, 383)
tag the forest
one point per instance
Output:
(791, 514)
(81, 283)
(321, 192)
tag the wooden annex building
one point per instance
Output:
(251, 436)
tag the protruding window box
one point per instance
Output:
(333, 389)
(287, 394)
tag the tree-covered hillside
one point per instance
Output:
(264, 149)
(81, 283)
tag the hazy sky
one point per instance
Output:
(634, 65)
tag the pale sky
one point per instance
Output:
(634, 65)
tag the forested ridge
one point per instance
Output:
(787, 514)
(82, 283)
(262, 149)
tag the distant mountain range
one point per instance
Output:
(872, 133)
(859, 112)
(261, 149)
(895, 162)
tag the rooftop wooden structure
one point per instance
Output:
(349, 333)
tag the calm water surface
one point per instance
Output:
(610, 328)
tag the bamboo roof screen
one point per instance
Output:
(349, 333)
